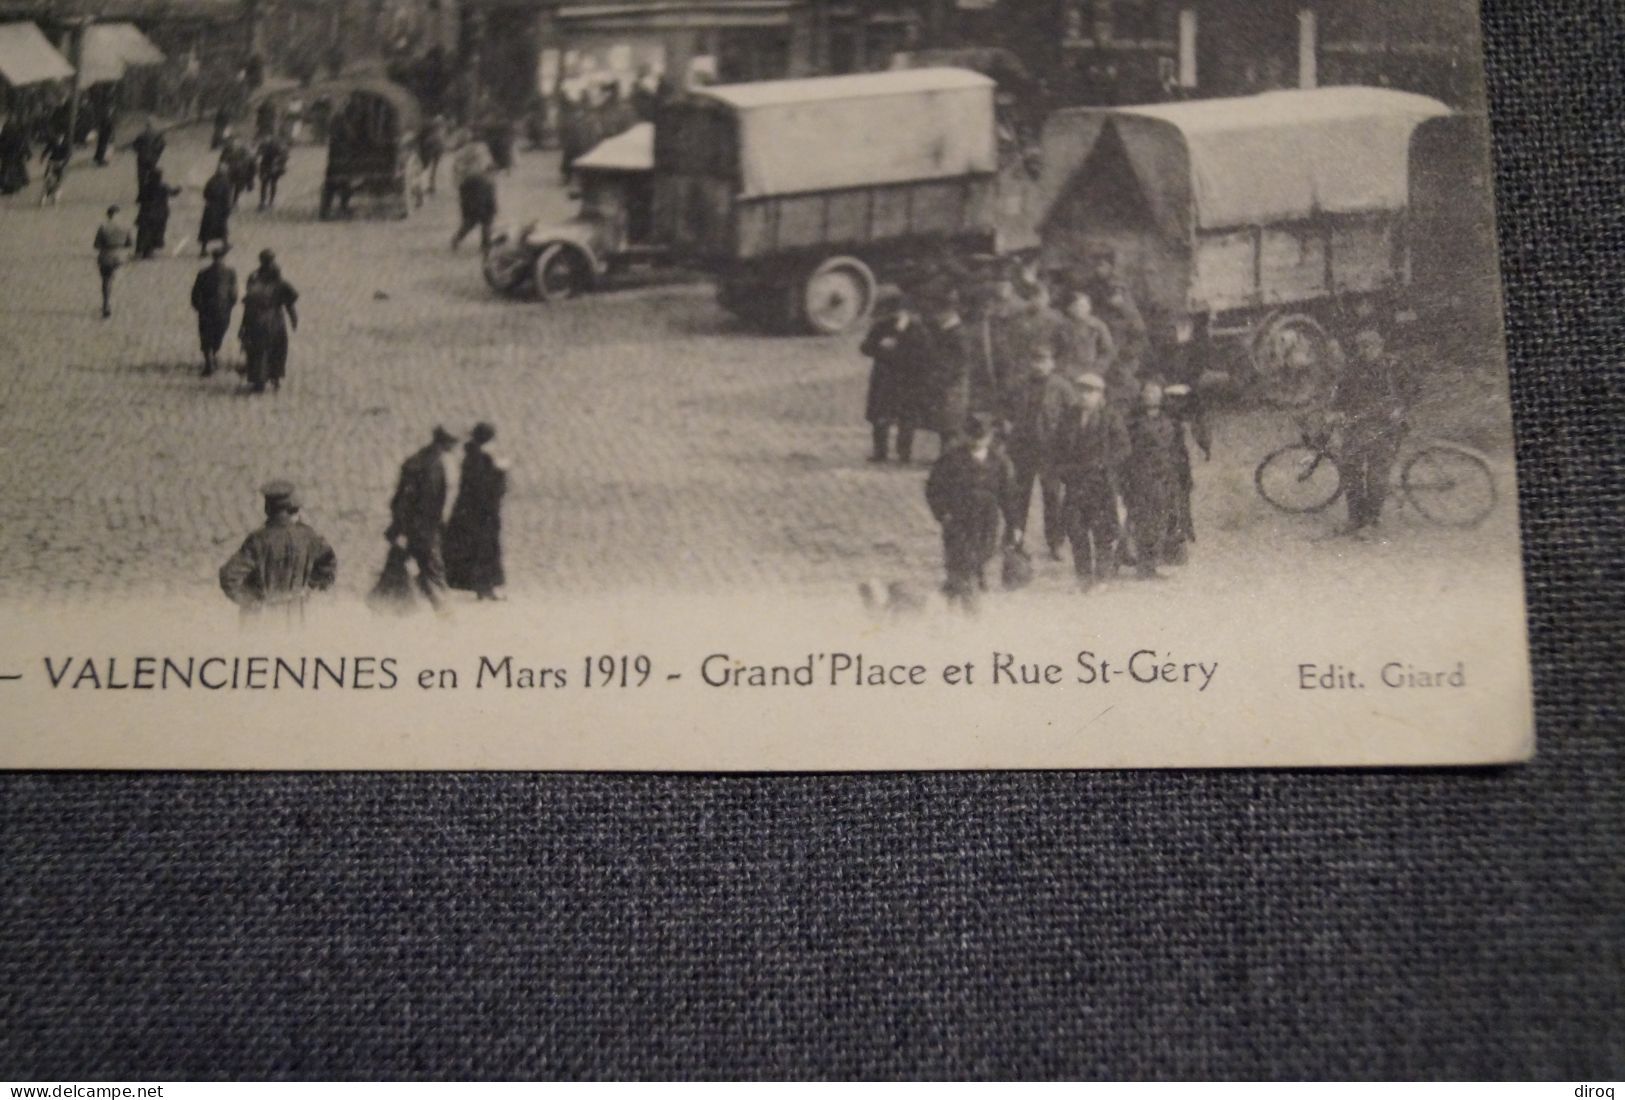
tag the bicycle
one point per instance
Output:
(1449, 483)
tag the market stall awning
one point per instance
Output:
(111, 48)
(27, 56)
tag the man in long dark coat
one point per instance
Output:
(1184, 407)
(899, 384)
(149, 147)
(418, 512)
(1090, 456)
(1151, 481)
(269, 312)
(152, 214)
(967, 491)
(214, 294)
(473, 548)
(949, 348)
(216, 223)
(282, 563)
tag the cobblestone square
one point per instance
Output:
(656, 442)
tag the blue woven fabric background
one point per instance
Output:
(1374, 924)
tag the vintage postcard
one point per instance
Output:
(892, 384)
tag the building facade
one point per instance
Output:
(523, 47)
(1107, 52)
(1101, 52)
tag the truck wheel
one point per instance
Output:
(1292, 360)
(506, 269)
(559, 274)
(838, 295)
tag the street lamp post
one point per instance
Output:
(80, 25)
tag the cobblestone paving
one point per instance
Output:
(655, 441)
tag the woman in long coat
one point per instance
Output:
(267, 297)
(152, 216)
(473, 537)
(216, 223)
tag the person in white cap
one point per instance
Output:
(1090, 456)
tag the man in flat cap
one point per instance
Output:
(1090, 454)
(214, 294)
(967, 492)
(113, 244)
(1184, 406)
(901, 392)
(949, 347)
(420, 508)
(283, 562)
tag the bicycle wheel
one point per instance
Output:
(1449, 484)
(1298, 478)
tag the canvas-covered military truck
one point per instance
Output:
(1251, 221)
(371, 150)
(803, 195)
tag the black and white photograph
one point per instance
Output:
(834, 385)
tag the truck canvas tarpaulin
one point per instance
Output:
(1274, 157)
(1253, 218)
(803, 194)
(869, 129)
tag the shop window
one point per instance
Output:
(1144, 20)
(746, 55)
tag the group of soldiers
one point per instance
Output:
(1047, 378)
(445, 518)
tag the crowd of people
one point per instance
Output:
(47, 117)
(1042, 379)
